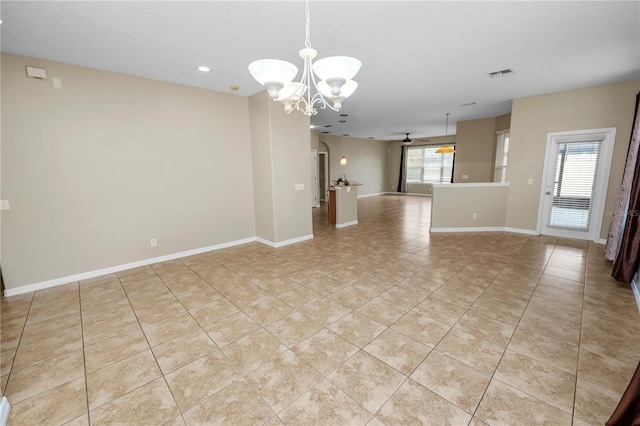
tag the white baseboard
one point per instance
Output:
(485, 229)
(284, 243)
(5, 407)
(92, 274)
(344, 225)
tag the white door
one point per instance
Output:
(314, 179)
(576, 173)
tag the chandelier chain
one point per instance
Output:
(307, 41)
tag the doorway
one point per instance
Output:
(314, 179)
(576, 173)
(323, 172)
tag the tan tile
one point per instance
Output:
(45, 329)
(304, 276)
(10, 334)
(607, 372)
(397, 350)
(382, 311)
(325, 404)
(102, 330)
(119, 378)
(194, 298)
(103, 311)
(414, 404)
(486, 328)
(454, 381)
(55, 406)
(325, 285)
(56, 294)
(502, 310)
(47, 375)
(79, 421)
(503, 404)
(283, 380)
(231, 328)
(3, 383)
(182, 350)
(594, 404)
(253, 350)
(325, 311)
(149, 404)
(440, 311)
(149, 297)
(351, 297)
(568, 297)
(158, 311)
(176, 421)
(403, 296)
(278, 286)
(237, 404)
(48, 311)
(367, 380)
(553, 328)
(169, 328)
(114, 349)
(475, 352)
(56, 345)
(6, 361)
(539, 347)
(294, 328)
(268, 311)
(325, 351)
(552, 385)
(210, 313)
(357, 329)
(554, 309)
(103, 294)
(421, 328)
(248, 297)
(201, 378)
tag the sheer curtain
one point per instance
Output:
(620, 212)
(624, 237)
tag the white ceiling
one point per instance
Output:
(420, 59)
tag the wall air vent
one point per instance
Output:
(501, 73)
(37, 73)
(325, 132)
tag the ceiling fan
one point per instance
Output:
(406, 140)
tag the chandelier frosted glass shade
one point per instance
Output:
(273, 74)
(337, 67)
(346, 90)
(343, 161)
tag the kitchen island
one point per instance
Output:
(343, 204)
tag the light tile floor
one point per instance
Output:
(379, 323)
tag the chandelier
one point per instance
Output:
(335, 75)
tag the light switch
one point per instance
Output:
(57, 83)
(4, 205)
(299, 186)
(530, 181)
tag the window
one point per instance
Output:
(424, 165)
(502, 151)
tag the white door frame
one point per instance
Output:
(608, 137)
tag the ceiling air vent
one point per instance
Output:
(325, 132)
(501, 73)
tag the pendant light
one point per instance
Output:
(343, 160)
(446, 149)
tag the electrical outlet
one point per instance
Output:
(4, 205)
(530, 181)
(153, 242)
(475, 215)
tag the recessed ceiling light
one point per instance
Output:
(204, 69)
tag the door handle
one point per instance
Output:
(548, 193)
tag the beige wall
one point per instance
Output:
(475, 150)
(97, 168)
(532, 118)
(366, 162)
(453, 205)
